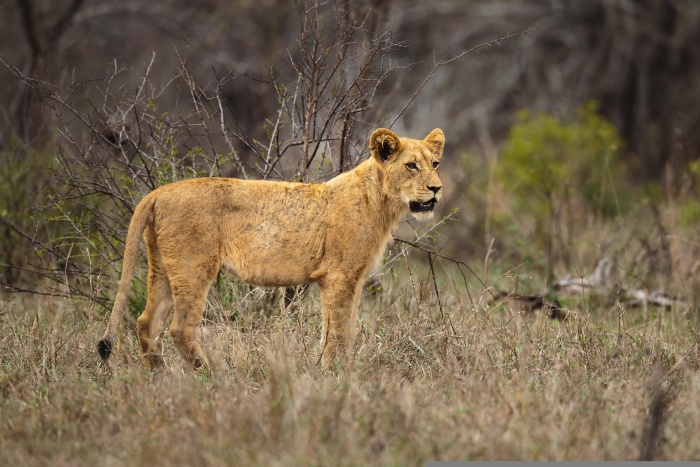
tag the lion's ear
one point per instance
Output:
(436, 142)
(384, 144)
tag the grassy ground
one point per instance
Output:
(452, 382)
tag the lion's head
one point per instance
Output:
(411, 167)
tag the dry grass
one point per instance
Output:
(466, 383)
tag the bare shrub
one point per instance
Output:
(116, 143)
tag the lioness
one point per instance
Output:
(274, 234)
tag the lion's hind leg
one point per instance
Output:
(159, 304)
(190, 301)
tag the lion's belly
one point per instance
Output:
(272, 269)
(273, 253)
(263, 275)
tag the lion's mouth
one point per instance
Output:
(418, 206)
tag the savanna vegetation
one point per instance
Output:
(549, 312)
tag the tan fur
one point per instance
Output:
(273, 234)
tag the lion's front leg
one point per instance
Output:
(339, 304)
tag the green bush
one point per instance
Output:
(547, 162)
(690, 204)
(22, 176)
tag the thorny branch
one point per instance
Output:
(460, 264)
(447, 61)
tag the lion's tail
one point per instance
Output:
(142, 216)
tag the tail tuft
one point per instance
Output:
(104, 348)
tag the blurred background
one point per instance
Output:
(572, 131)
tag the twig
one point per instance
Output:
(447, 61)
(7, 302)
(437, 292)
(455, 261)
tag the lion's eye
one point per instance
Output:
(436, 164)
(412, 166)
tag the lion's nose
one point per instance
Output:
(434, 189)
